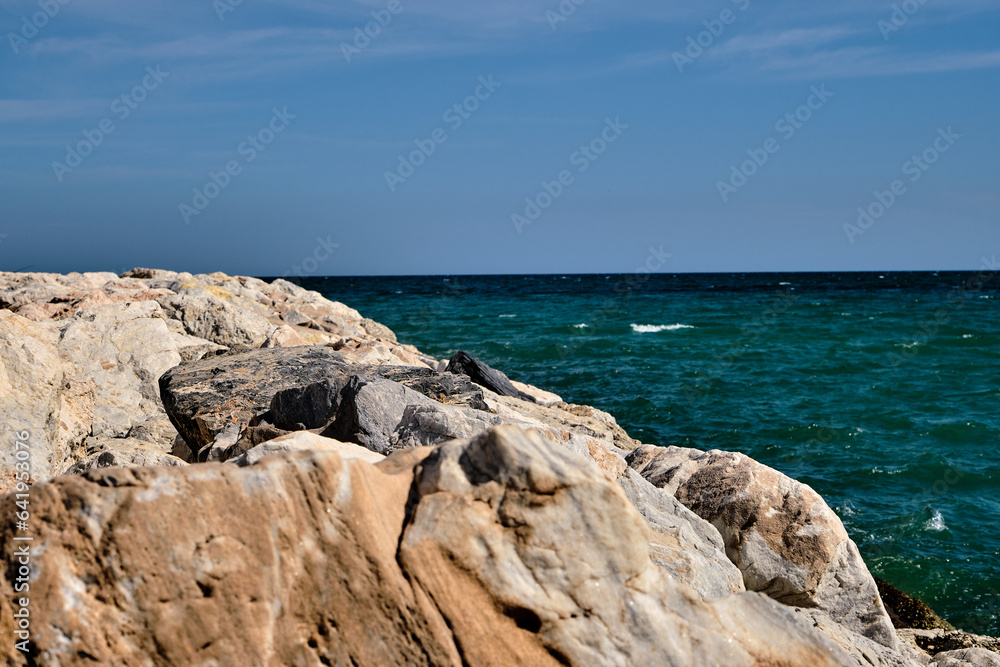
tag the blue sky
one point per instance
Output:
(753, 151)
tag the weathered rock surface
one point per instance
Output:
(967, 657)
(193, 348)
(681, 542)
(123, 349)
(205, 397)
(430, 424)
(498, 551)
(125, 459)
(370, 411)
(540, 396)
(208, 316)
(31, 384)
(780, 533)
(580, 420)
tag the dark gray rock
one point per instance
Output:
(486, 376)
(370, 411)
(205, 397)
(431, 424)
(441, 387)
(305, 408)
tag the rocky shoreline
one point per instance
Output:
(228, 471)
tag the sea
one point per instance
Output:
(879, 390)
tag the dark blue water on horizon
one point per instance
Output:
(879, 390)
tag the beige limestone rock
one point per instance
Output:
(123, 349)
(780, 533)
(497, 551)
(31, 386)
(304, 441)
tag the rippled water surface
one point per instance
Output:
(881, 391)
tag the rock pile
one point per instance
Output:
(230, 471)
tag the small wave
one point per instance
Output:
(936, 522)
(507, 316)
(581, 326)
(968, 336)
(657, 328)
(911, 345)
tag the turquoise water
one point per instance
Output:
(881, 393)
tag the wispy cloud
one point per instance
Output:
(798, 38)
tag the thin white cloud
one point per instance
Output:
(860, 62)
(788, 39)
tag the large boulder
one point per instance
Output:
(205, 397)
(428, 424)
(496, 551)
(370, 411)
(780, 533)
(681, 542)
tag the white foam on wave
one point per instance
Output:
(504, 317)
(936, 522)
(581, 326)
(657, 328)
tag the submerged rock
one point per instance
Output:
(906, 611)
